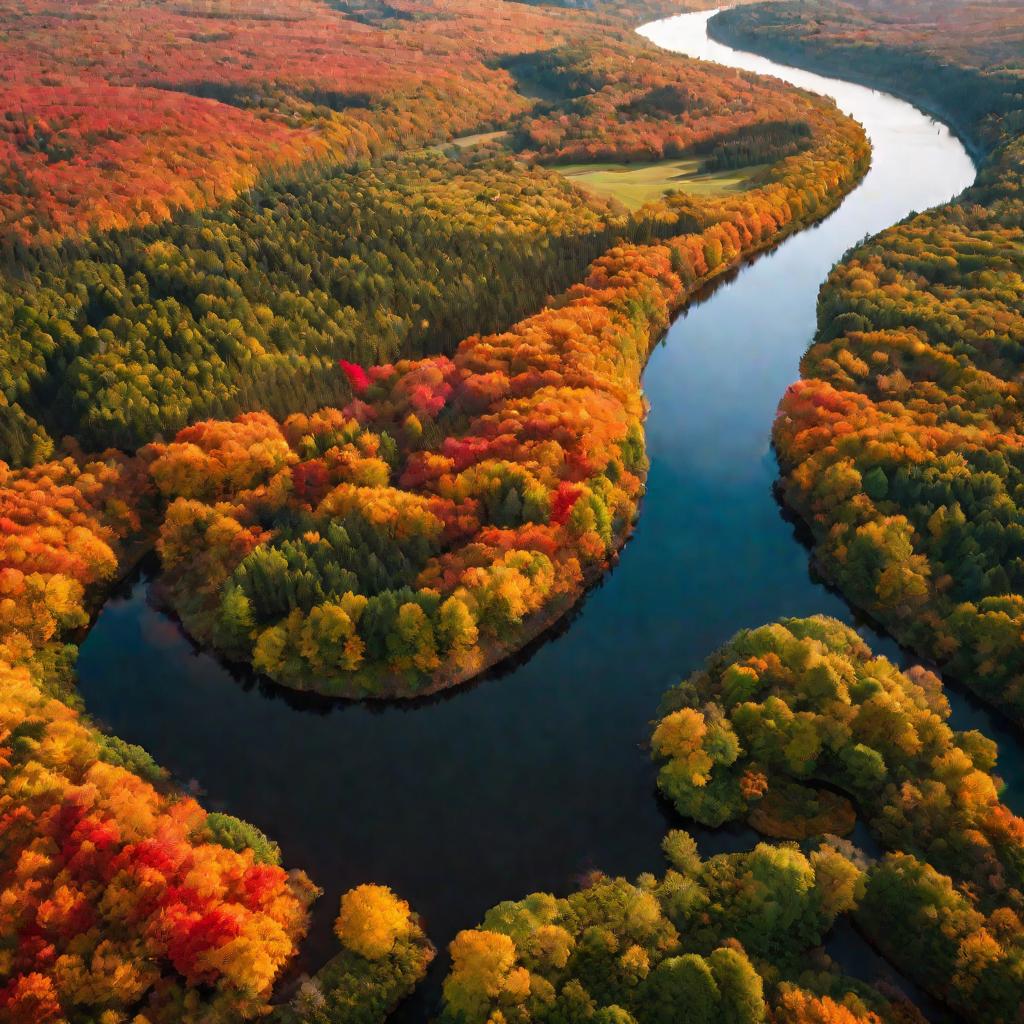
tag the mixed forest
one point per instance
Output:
(373, 398)
(901, 445)
(294, 294)
(349, 488)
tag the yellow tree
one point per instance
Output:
(371, 920)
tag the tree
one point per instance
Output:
(484, 972)
(681, 986)
(371, 919)
(740, 987)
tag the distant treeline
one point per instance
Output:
(901, 444)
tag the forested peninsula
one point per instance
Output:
(901, 445)
(374, 398)
(331, 306)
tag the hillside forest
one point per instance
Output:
(295, 295)
(900, 445)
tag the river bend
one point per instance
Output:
(538, 773)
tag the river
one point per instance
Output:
(538, 772)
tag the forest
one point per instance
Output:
(797, 727)
(295, 295)
(900, 445)
(381, 506)
(432, 499)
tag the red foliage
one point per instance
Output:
(562, 502)
(357, 376)
(88, 155)
(310, 481)
(102, 869)
(101, 130)
(30, 999)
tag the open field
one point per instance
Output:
(639, 183)
(465, 141)
(468, 141)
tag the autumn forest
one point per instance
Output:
(335, 315)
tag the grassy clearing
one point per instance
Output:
(636, 184)
(466, 141)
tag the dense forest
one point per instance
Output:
(794, 725)
(901, 444)
(730, 939)
(239, 248)
(136, 332)
(437, 511)
(296, 294)
(251, 304)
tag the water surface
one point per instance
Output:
(538, 773)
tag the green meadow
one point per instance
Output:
(639, 183)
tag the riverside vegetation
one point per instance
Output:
(901, 444)
(376, 400)
(789, 726)
(252, 277)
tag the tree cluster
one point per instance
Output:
(801, 705)
(732, 939)
(900, 446)
(658, 109)
(385, 954)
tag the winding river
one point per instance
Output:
(538, 773)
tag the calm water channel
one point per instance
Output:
(538, 773)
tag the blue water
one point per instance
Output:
(538, 773)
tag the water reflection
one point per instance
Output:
(538, 774)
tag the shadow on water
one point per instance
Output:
(538, 773)
(967, 711)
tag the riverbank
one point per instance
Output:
(537, 774)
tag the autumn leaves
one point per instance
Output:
(483, 491)
(117, 892)
(803, 704)
(422, 516)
